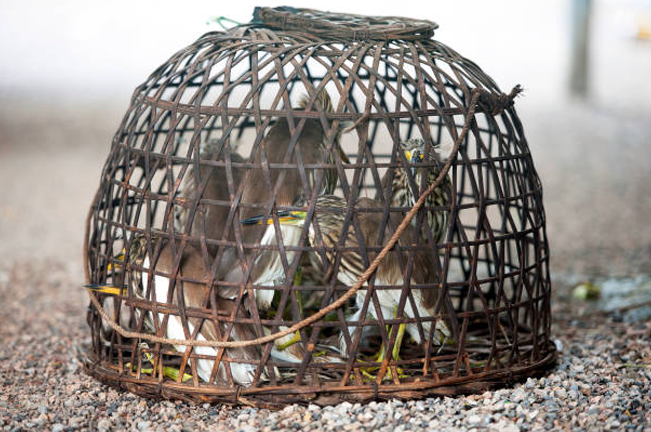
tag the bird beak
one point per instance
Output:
(285, 217)
(118, 257)
(105, 289)
(414, 158)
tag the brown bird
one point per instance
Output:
(312, 142)
(402, 194)
(193, 277)
(210, 219)
(330, 216)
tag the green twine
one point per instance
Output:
(220, 20)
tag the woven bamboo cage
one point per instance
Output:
(387, 81)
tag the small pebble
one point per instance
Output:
(103, 425)
(474, 419)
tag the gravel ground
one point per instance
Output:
(602, 379)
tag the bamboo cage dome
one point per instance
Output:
(222, 130)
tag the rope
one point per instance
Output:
(332, 306)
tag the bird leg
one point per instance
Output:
(294, 339)
(398, 342)
(168, 371)
(379, 357)
(298, 278)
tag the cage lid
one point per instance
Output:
(329, 25)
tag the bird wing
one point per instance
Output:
(215, 179)
(196, 296)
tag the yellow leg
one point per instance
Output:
(298, 276)
(398, 343)
(295, 339)
(168, 371)
(395, 354)
(173, 373)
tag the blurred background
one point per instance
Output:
(68, 69)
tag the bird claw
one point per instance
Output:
(168, 371)
(367, 374)
(379, 357)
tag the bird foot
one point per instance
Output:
(379, 358)
(168, 371)
(368, 375)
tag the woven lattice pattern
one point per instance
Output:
(261, 170)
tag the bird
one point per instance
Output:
(208, 219)
(401, 194)
(329, 215)
(193, 276)
(267, 264)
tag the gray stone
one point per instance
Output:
(143, 426)
(474, 419)
(103, 425)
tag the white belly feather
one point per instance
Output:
(242, 373)
(274, 275)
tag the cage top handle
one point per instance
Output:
(339, 26)
(470, 115)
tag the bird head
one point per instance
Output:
(326, 206)
(414, 150)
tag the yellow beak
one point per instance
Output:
(284, 217)
(118, 257)
(105, 289)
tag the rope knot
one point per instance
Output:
(494, 103)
